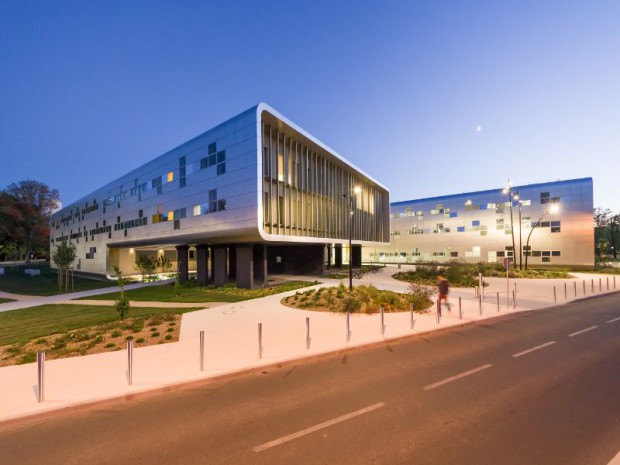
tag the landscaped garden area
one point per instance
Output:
(466, 275)
(363, 299)
(191, 292)
(69, 330)
(16, 281)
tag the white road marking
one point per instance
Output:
(459, 376)
(518, 354)
(312, 429)
(614, 320)
(615, 460)
(582, 331)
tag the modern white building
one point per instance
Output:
(552, 224)
(254, 195)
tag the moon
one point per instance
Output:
(478, 128)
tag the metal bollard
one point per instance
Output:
(202, 351)
(460, 309)
(555, 299)
(565, 292)
(260, 340)
(411, 312)
(592, 285)
(498, 301)
(382, 322)
(41, 375)
(307, 333)
(600, 284)
(607, 282)
(575, 286)
(584, 287)
(348, 331)
(514, 300)
(480, 304)
(614, 282)
(130, 362)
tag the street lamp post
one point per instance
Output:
(553, 209)
(356, 190)
(513, 195)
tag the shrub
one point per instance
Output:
(41, 341)
(153, 329)
(140, 340)
(168, 337)
(116, 334)
(129, 338)
(172, 323)
(28, 357)
(420, 296)
(110, 345)
(155, 334)
(170, 330)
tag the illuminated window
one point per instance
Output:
(170, 176)
(171, 215)
(196, 210)
(280, 167)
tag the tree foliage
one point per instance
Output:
(122, 305)
(146, 265)
(64, 254)
(25, 210)
(607, 233)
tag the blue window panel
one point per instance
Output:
(453, 214)
(461, 229)
(483, 206)
(475, 223)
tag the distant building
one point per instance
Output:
(252, 196)
(476, 226)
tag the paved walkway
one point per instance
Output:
(231, 341)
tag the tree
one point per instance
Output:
(25, 210)
(122, 305)
(163, 264)
(63, 256)
(145, 264)
(607, 232)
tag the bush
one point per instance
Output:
(420, 296)
(140, 340)
(155, 334)
(109, 345)
(116, 334)
(170, 330)
(129, 338)
(168, 337)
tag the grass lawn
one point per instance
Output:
(166, 293)
(17, 281)
(21, 326)
(3, 301)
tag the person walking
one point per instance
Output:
(444, 287)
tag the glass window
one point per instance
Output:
(204, 163)
(213, 194)
(453, 215)
(212, 147)
(555, 253)
(221, 168)
(170, 215)
(460, 229)
(221, 156)
(212, 159)
(196, 210)
(170, 176)
(475, 223)
(221, 205)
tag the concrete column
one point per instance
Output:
(245, 266)
(202, 258)
(356, 256)
(232, 262)
(182, 260)
(260, 264)
(219, 264)
(329, 256)
(338, 256)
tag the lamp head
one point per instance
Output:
(357, 189)
(554, 208)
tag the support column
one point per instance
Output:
(329, 256)
(338, 256)
(232, 262)
(182, 260)
(219, 260)
(260, 264)
(356, 256)
(202, 258)
(245, 266)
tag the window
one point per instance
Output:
(213, 194)
(500, 253)
(555, 253)
(280, 167)
(170, 176)
(454, 254)
(221, 156)
(555, 227)
(196, 210)
(212, 147)
(475, 223)
(544, 197)
(460, 229)
(453, 215)
(170, 216)
(221, 205)
(546, 259)
(221, 168)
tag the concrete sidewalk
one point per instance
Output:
(231, 341)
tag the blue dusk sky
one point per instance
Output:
(428, 97)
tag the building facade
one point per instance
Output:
(552, 224)
(252, 196)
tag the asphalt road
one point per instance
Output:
(536, 388)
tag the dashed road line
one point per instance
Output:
(312, 429)
(546, 344)
(459, 376)
(614, 320)
(576, 333)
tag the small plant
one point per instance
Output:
(28, 357)
(168, 337)
(122, 304)
(172, 323)
(116, 334)
(155, 334)
(129, 338)
(41, 341)
(140, 340)
(170, 330)
(109, 345)
(153, 329)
